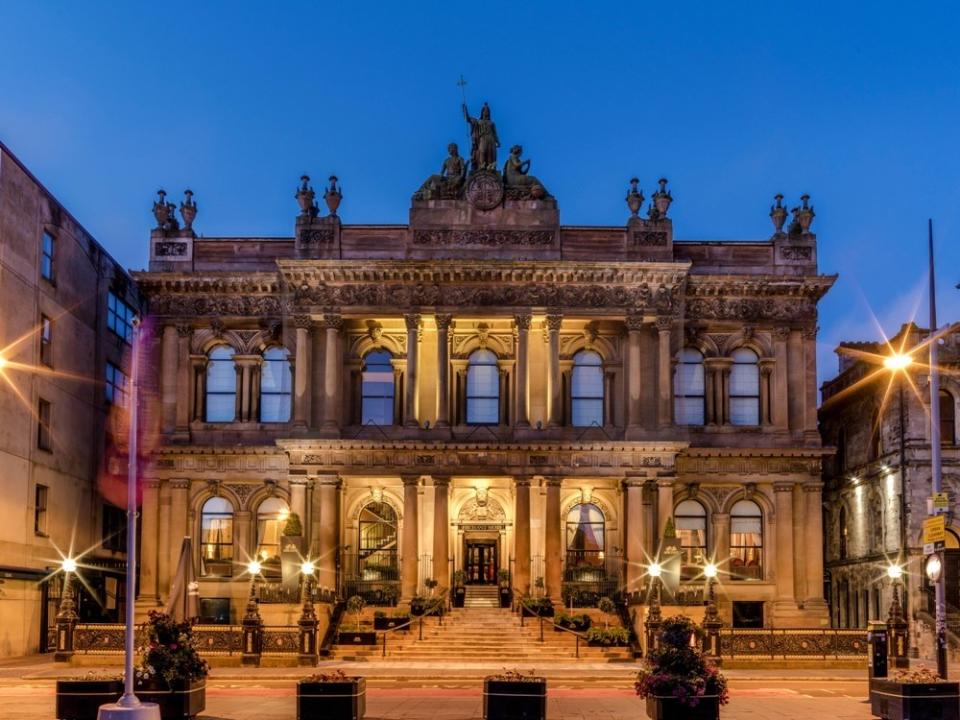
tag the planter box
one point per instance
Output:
(601, 643)
(894, 700)
(364, 637)
(332, 700)
(669, 708)
(459, 597)
(388, 623)
(543, 612)
(506, 597)
(515, 699)
(81, 699)
(181, 700)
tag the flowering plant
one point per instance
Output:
(515, 676)
(169, 651)
(919, 676)
(331, 677)
(679, 669)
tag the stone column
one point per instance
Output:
(301, 372)
(664, 506)
(244, 540)
(634, 532)
(553, 550)
(413, 362)
(198, 377)
(555, 387)
(246, 365)
(664, 374)
(179, 500)
(780, 384)
(799, 545)
(298, 500)
(327, 530)
(813, 551)
(783, 495)
(650, 543)
(766, 372)
(522, 321)
(723, 377)
(149, 532)
(411, 528)
(168, 377)
(709, 391)
(441, 531)
(163, 541)
(721, 540)
(443, 369)
(521, 536)
(634, 328)
(331, 371)
(809, 335)
(184, 333)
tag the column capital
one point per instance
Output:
(551, 481)
(813, 487)
(443, 321)
(554, 321)
(179, 483)
(665, 482)
(664, 323)
(521, 481)
(784, 486)
(719, 363)
(412, 320)
(410, 480)
(298, 480)
(766, 365)
(302, 322)
(332, 320)
(522, 320)
(634, 322)
(633, 481)
(151, 484)
(781, 332)
(184, 330)
(440, 481)
(328, 480)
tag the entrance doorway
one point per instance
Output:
(481, 562)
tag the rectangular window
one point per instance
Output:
(114, 526)
(46, 259)
(46, 340)
(115, 389)
(40, 510)
(44, 440)
(120, 317)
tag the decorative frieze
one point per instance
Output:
(494, 238)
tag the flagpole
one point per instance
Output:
(935, 461)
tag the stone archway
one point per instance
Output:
(482, 522)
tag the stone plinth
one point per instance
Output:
(649, 239)
(171, 251)
(317, 238)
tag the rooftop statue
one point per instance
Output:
(483, 140)
(448, 185)
(521, 185)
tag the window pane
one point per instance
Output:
(483, 381)
(744, 380)
(689, 410)
(273, 408)
(483, 388)
(483, 411)
(744, 411)
(377, 388)
(587, 412)
(220, 408)
(377, 410)
(587, 381)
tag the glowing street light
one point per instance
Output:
(254, 567)
(3, 362)
(654, 570)
(897, 362)
(894, 572)
(307, 567)
(710, 571)
(68, 565)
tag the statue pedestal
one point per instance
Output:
(317, 237)
(515, 229)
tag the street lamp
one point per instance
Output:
(897, 361)
(68, 565)
(711, 618)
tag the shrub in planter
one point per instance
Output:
(382, 622)
(542, 607)
(678, 682)
(577, 623)
(332, 696)
(608, 637)
(81, 698)
(425, 606)
(171, 672)
(915, 694)
(514, 696)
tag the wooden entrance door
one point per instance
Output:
(481, 564)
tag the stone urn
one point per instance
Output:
(305, 196)
(188, 210)
(333, 196)
(634, 197)
(161, 210)
(662, 199)
(803, 216)
(778, 214)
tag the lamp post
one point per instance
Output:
(711, 618)
(66, 613)
(896, 620)
(654, 618)
(252, 622)
(308, 618)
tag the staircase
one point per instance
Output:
(482, 596)
(484, 635)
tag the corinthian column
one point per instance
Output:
(813, 552)
(168, 377)
(553, 379)
(441, 530)
(522, 321)
(783, 495)
(331, 371)
(411, 528)
(521, 539)
(781, 409)
(301, 369)
(634, 532)
(553, 557)
(664, 375)
(327, 529)
(443, 369)
(634, 327)
(413, 367)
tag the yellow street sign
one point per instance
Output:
(935, 530)
(941, 501)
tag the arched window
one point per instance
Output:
(275, 381)
(585, 536)
(688, 388)
(221, 385)
(377, 543)
(948, 423)
(691, 523)
(377, 388)
(745, 388)
(271, 517)
(844, 533)
(216, 538)
(746, 541)
(483, 389)
(586, 389)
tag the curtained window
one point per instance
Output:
(745, 388)
(746, 541)
(689, 389)
(377, 388)
(483, 389)
(275, 382)
(586, 389)
(216, 538)
(271, 517)
(690, 519)
(221, 385)
(378, 542)
(585, 542)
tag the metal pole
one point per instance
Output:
(935, 463)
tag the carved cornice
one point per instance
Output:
(755, 298)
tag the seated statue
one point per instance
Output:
(448, 185)
(521, 185)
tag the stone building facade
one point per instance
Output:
(63, 344)
(485, 390)
(878, 482)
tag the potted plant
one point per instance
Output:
(431, 584)
(171, 672)
(503, 580)
(678, 682)
(577, 623)
(608, 637)
(332, 696)
(607, 608)
(537, 607)
(512, 695)
(915, 694)
(81, 698)
(459, 588)
(382, 621)
(355, 605)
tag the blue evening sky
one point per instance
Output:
(856, 104)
